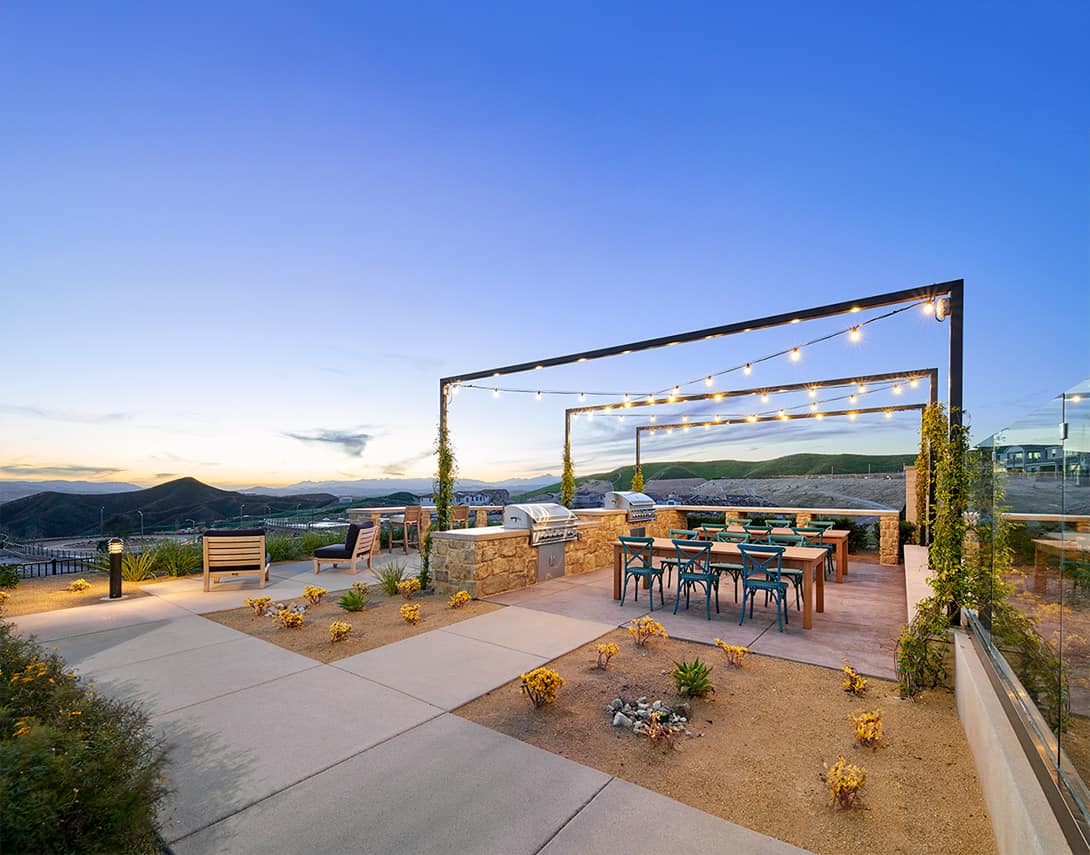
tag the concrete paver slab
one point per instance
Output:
(626, 818)
(531, 631)
(442, 668)
(180, 679)
(229, 752)
(446, 786)
(64, 623)
(97, 651)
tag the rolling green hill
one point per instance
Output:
(52, 514)
(792, 464)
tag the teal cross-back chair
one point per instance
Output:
(824, 525)
(637, 554)
(792, 574)
(758, 533)
(694, 559)
(668, 564)
(761, 566)
(782, 522)
(732, 568)
(815, 537)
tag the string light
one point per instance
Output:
(851, 397)
(928, 307)
(457, 386)
(764, 398)
(796, 354)
(819, 416)
(627, 400)
(676, 391)
(582, 396)
(653, 418)
(707, 427)
(862, 388)
(685, 418)
(814, 406)
(751, 418)
(718, 396)
(889, 414)
(669, 430)
(495, 393)
(538, 395)
(708, 380)
(622, 417)
(813, 392)
(851, 416)
(748, 369)
(914, 382)
(650, 399)
(855, 333)
(718, 417)
(897, 389)
(781, 415)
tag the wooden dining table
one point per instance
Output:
(809, 559)
(837, 537)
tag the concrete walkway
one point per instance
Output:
(273, 752)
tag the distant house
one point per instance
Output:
(474, 498)
(1042, 458)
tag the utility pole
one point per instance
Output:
(141, 522)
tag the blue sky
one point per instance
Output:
(244, 243)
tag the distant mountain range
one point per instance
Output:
(170, 505)
(11, 490)
(371, 487)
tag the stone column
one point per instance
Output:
(482, 518)
(910, 494)
(803, 520)
(887, 540)
(376, 521)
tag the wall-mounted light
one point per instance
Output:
(942, 308)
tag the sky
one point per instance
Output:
(244, 241)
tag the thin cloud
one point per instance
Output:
(61, 470)
(398, 467)
(350, 442)
(63, 415)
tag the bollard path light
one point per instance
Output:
(116, 546)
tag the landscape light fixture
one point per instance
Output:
(116, 547)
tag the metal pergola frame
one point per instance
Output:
(930, 374)
(954, 290)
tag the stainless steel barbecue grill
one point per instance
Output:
(640, 506)
(547, 522)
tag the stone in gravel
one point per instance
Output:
(616, 704)
(642, 700)
(683, 709)
(621, 720)
(657, 705)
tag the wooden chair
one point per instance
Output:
(411, 524)
(234, 553)
(459, 516)
(359, 544)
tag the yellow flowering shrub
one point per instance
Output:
(845, 783)
(605, 653)
(411, 613)
(541, 686)
(736, 654)
(853, 683)
(313, 594)
(408, 587)
(78, 586)
(644, 629)
(339, 630)
(459, 600)
(289, 619)
(260, 605)
(4, 596)
(868, 728)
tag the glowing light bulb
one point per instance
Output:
(820, 416)
(764, 399)
(677, 389)
(852, 415)
(652, 418)
(685, 418)
(707, 427)
(852, 397)
(796, 354)
(590, 414)
(862, 388)
(914, 382)
(457, 386)
(708, 380)
(928, 307)
(1076, 398)
(897, 389)
(669, 430)
(582, 396)
(627, 400)
(495, 393)
(889, 414)
(685, 428)
(855, 333)
(781, 415)
(718, 418)
(650, 399)
(748, 369)
(622, 417)
(652, 431)
(538, 395)
(751, 418)
(718, 396)
(813, 392)
(813, 406)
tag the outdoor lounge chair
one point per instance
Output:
(240, 552)
(359, 544)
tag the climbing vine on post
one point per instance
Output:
(444, 480)
(567, 479)
(934, 430)
(637, 480)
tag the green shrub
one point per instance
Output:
(858, 533)
(356, 599)
(78, 772)
(312, 540)
(284, 547)
(9, 575)
(135, 566)
(177, 559)
(390, 576)
(691, 678)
